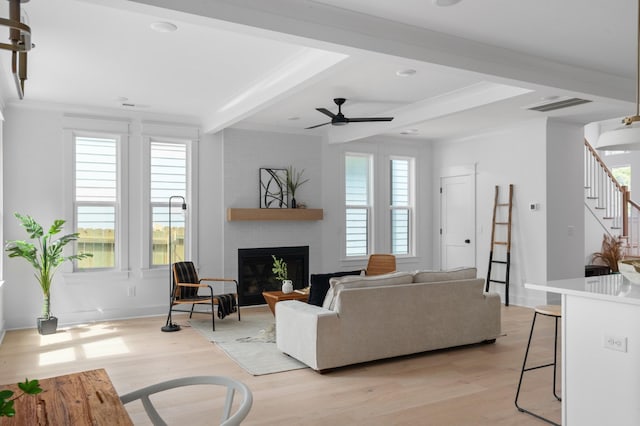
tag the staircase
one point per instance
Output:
(610, 203)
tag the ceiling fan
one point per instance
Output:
(340, 120)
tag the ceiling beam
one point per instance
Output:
(323, 26)
(463, 99)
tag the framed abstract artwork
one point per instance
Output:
(273, 189)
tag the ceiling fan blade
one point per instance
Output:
(317, 125)
(362, 120)
(326, 112)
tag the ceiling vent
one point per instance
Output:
(557, 104)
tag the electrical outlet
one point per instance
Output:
(616, 343)
(131, 291)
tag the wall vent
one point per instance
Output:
(557, 104)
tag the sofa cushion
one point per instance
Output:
(450, 275)
(338, 284)
(320, 285)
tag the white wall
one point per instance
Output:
(227, 166)
(565, 202)
(34, 166)
(512, 155)
(382, 148)
(245, 152)
(543, 159)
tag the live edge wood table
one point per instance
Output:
(85, 398)
(273, 297)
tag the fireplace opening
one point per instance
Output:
(255, 275)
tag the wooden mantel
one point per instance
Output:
(234, 214)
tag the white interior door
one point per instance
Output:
(458, 222)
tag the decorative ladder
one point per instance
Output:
(507, 243)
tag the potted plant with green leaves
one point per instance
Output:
(45, 255)
(280, 271)
(294, 181)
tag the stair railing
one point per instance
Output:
(603, 187)
(612, 200)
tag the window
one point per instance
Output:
(357, 204)
(401, 205)
(622, 175)
(168, 182)
(96, 196)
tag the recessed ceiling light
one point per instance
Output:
(406, 73)
(409, 132)
(445, 2)
(163, 27)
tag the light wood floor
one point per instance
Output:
(474, 385)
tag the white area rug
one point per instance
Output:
(250, 342)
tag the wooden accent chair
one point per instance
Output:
(186, 288)
(380, 264)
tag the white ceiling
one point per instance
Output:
(268, 65)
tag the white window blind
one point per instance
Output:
(401, 205)
(168, 179)
(357, 204)
(96, 195)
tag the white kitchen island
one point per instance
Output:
(600, 349)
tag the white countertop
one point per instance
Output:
(613, 288)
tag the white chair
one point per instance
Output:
(232, 385)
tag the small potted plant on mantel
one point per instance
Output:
(294, 181)
(280, 271)
(45, 257)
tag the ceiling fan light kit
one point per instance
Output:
(627, 137)
(340, 120)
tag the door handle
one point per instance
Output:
(467, 241)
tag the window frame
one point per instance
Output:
(76, 127)
(168, 134)
(368, 207)
(410, 207)
(151, 204)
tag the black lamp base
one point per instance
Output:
(171, 327)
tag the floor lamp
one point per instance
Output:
(170, 325)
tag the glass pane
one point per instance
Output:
(160, 234)
(357, 223)
(622, 175)
(95, 169)
(400, 182)
(168, 170)
(400, 231)
(356, 180)
(168, 179)
(96, 226)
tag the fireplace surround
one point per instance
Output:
(255, 276)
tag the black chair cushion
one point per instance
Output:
(186, 273)
(320, 285)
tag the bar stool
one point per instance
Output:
(554, 312)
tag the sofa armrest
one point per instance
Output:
(302, 331)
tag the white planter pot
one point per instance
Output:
(287, 286)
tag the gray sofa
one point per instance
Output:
(369, 318)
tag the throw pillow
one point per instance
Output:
(451, 275)
(338, 284)
(320, 285)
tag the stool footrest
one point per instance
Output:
(551, 364)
